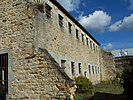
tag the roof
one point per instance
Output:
(74, 20)
(121, 52)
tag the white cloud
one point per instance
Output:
(70, 5)
(96, 22)
(108, 47)
(123, 25)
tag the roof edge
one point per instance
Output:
(73, 19)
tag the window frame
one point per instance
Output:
(60, 19)
(48, 11)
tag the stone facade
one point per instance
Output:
(108, 69)
(32, 74)
(43, 55)
(68, 49)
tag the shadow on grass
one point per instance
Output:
(107, 96)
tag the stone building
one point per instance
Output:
(42, 49)
(108, 69)
(75, 50)
(122, 58)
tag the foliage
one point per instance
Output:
(79, 97)
(84, 85)
(127, 77)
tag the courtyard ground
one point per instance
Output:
(104, 91)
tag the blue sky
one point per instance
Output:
(109, 21)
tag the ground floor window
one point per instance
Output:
(72, 68)
(4, 73)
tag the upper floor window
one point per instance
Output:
(60, 20)
(91, 44)
(82, 37)
(77, 34)
(48, 10)
(94, 46)
(70, 27)
(87, 41)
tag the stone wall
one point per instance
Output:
(32, 75)
(63, 45)
(108, 69)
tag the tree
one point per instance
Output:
(127, 77)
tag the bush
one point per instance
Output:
(84, 85)
(79, 97)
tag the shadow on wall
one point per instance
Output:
(107, 96)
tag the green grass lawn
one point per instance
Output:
(104, 91)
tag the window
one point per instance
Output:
(85, 74)
(89, 69)
(63, 64)
(91, 44)
(79, 65)
(87, 41)
(4, 73)
(94, 46)
(82, 37)
(48, 11)
(60, 20)
(70, 27)
(72, 68)
(96, 69)
(93, 69)
(77, 35)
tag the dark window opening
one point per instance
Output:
(93, 69)
(87, 41)
(94, 46)
(4, 73)
(77, 34)
(48, 11)
(70, 27)
(89, 69)
(72, 68)
(85, 74)
(60, 20)
(63, 64)
(96, 70)
(79, 65)
(91, 44)
(82, 37)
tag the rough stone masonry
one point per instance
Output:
(32, 73)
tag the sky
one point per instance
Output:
(110, 22)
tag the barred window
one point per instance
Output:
(60, 20)
(48, 11)
(4, 73)
(72, 68)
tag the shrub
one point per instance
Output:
(79, 97)
(84, 85)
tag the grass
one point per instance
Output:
(104, 91)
